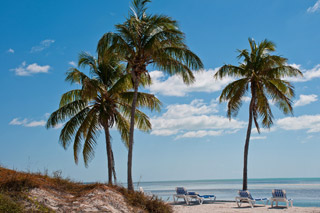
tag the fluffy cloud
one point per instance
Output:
(193, 120)
(314, 8)
(25, 70)
(258, 137)
(43, 45)
(307, 74)
(25, 122)
(174, 86)
(311, 123)
(305, 100)
(72, 63)
(200, 134)
(10, 50)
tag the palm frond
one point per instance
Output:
(70, 127)
(70, 96)
(91, 140)
(143, 100)
(65, 112)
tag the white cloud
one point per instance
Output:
(72, 63)
(193, 120)
(262, 130)
(258, 137)
(26, 123)
(36, 123)
(174, 86)
(43, 45)
(246, 99)
(305, 100)
(314, 8)
(16, 121)
(311, 123)
(10, 50)
(200, 134)
(307, 74)
(25, 70)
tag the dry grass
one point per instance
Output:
(147, 203)
(13, 181)
(14, 186)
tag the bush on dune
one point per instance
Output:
(15, 185)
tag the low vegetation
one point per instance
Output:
(14, 188)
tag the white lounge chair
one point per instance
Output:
(180, 193)
(245, 197)
(279, 195)
(194, 196)
(145, 193)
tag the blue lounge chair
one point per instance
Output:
(193, 196)
(279, 195)
(245, 197)
(212, 198)
(200, 198)
(181, 192)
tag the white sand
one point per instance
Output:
(232, 207)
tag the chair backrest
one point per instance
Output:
(192, 193)
(245, 194)
(141, 189)
(281, 193)
(181, 190)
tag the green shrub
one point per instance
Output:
(8, 205)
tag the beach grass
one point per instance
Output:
(14, 187)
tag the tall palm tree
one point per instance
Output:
(261, 74)
(102, 102)
(143, 40)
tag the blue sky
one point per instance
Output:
(191, 137)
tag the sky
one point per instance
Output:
(192, 138)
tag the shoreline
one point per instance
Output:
(231, 206)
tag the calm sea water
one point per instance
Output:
(305, 192)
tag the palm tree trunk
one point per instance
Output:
(113, 168)
(246, 148)
(133, 110)
(109, 154)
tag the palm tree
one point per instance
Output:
(262, 75)
(102, 102)
(143, 40)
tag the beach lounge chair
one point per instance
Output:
(141, 190)
(245, 197)
(181, 192)
(212, 198)
(190, 196)
(200, 198)
(279, 195)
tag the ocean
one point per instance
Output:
(305, 192)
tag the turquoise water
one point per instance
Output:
(305, 192)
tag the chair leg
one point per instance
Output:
(201, 201)
(186, 200)
(291, 203)
(251, 203)
(238, 203)
(271, 203)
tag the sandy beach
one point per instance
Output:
(232, 207)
